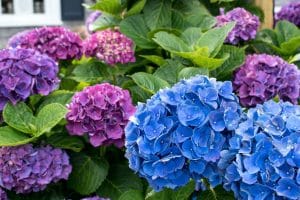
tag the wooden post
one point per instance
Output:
(268, 7)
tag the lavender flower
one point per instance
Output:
(110, 46)
(245, 28)
(25, 72)
(100, 111)
(263, 158)
(91, 19)
(3, 195)
(26, 169)
(57, 42)
(290, 12)
(263, 76)
(179, 133)
(95, 198)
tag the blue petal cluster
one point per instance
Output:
(179, 133)
(263, 158)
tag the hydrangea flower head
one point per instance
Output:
(290, 12)
(179, 133)
(91, 19)
(26, 169)
(263, 76)
(95, 198)
(263, 157)
(57, 42)
(110, 46)
(245, 28)
(100, 111)
(3, 195)
(25, 72)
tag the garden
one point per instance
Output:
(158, 100)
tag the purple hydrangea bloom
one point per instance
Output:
(110, 46)
(57, 42)
(290, 12)
(246, 25)
(26, 169)
(100, 111)
(25, 72)
(91, 19)
(3, 195)
(179, 133)
(263, 158)
(95, 198)
(263, 76)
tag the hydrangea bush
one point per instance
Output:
(179, 133)
(154, 100)
(262, 160)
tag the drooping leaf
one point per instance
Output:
(88, 173)
(158, 14)
(149, 82)
(192, 71)
(49, 116)
(214, 38)
(236, 59)
(170, 42)
(65, 141)
(119, 180)
(136, 8)
(20, 117)
(132, 195)
(12, 137)
(135, 28)
(169, 71)
(108, 6)
(62, 97)
(105, 21)
(286, 31)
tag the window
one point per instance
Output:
(7, 6)
(38, 6)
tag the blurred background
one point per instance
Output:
(17, 15)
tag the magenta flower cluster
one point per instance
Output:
(25, 72)
(57, 42)
(290, 12)
(26, 169)
(100, 111)
(110, 46)
(245, 28)
(3, 195)
(91, 19)
(263, 76)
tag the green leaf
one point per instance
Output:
(192, 71)
(158, 14)
(191, 36)
(169, 71)
(184, 192)
(119, 180)
(155, 59)
(217, 193)
(88, 173)
(65, 141)
(136, 8)
(49, 116)
(165, 194)
(108, 6)
(286, 31)
(295, 58)
(291, 46)
(170, 42)
(105, 21)
(20, 117)
(12, 137)
(62, 97)
(135, 28)
(149, 82)
(214, 38)
(132, 195)
(138, 94)
(236, 59)
(90, 72)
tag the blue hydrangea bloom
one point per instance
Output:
(179, 133)
(262, 160)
